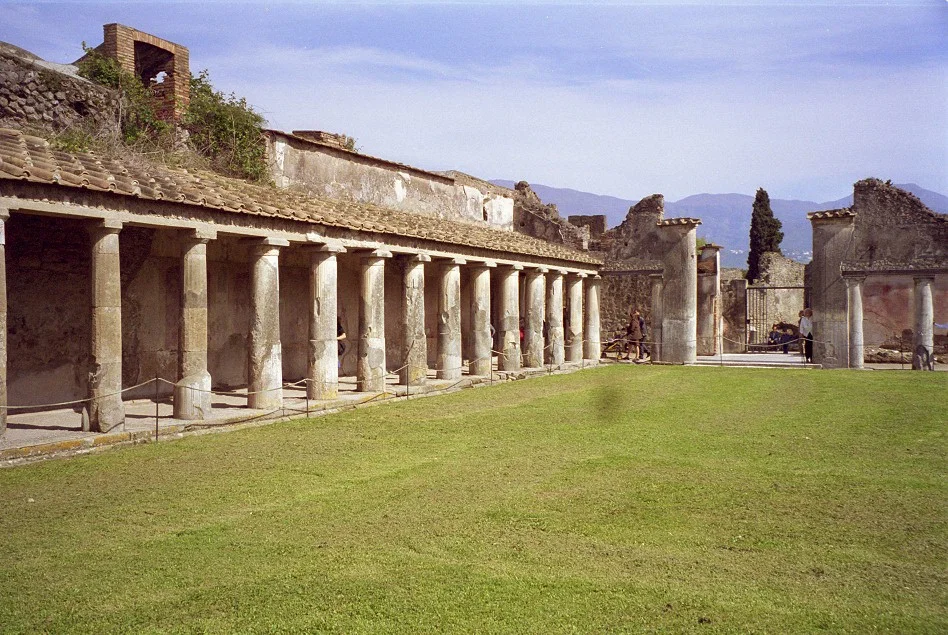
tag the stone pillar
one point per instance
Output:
(535, 295)
(192, 396)
(106, 410)
(680, 292)
(555, 353)
(510, 317)
(709, 301)
(832, 242)
(924, 320)
(480, 320)
(449, 320)
(593, 347)
(854, 301)
(415, 371)
(655, 337)
(736, 341)
(265, 354)
(323, 359)
(370, 373)
(574, 335)
(4, 217)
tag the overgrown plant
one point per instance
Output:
(226, 130)
(137, 116)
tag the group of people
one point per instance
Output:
(635, 337)
(784, 336)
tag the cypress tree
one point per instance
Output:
(765, 233)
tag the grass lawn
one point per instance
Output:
(626, 498)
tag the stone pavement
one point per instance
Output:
(35, 435)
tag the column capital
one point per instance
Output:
(106, 226)
(419, 257)
(923, 278)
(452, 261)
(514, 266)
(486, 264)
(853, 281)
(331, 247)
(199, 235)
(374, 253)
(268, 241)
(4, 214)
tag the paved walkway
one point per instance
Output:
(32, 435)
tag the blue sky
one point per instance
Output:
(626, 99)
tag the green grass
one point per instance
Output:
(643, 499)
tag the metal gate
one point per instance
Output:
(767, 306)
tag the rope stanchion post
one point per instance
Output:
(156, 408)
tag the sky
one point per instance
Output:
(627, 99)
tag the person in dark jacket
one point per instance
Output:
(633, 333)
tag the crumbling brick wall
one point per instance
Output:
(535, 218)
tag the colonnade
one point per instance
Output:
(544, 340)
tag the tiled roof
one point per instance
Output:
(28, 158)
(679, 221)
(831, 213)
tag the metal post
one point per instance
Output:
(156, 408)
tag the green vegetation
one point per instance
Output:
(765, 233)
(660, 499)
(226, 130)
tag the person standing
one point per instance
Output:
(634, 334)
(806, 332)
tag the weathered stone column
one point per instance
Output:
(323, 362)
(709, 301)
(449, 320)
(854, 301)
(415, 371)
(655, 337)
(509, 317)
(924, 319)
(556, 352)
(593, 348)
(533, 341)
(265, 353)
(480, 320)
(106, 410)
(736, 341)
(4, 217)
(680, 293)
(192, 396)
(370, 373)
(574, 335)
(832, 242)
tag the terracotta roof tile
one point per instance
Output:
(30, 158)
(832, 213)
(678, 221)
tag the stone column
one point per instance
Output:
(370, 373)
(556, 353)
(593, 348)
(509, 318)
(680, 293)
(535, 295)
(924, 320)
(4, 217)
(832, 242)
(449, 320)
(574, 335)
(323, 359)
(655, 337)
(192, 397)
(709, 301)
(854, 301)
(736, 341)
(415, 371)
(106, 410)
(265, 354)
(480, 320)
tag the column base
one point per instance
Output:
(192, 397)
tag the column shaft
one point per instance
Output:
(4, 217)
(265, 367)
(924, 324)
(554, 318)
(106, 410)
(192, 397)
(854, 300)
(593, 348)
(323, 319)
(574, 336)
(655, 337)
(509, 319)
(370, 373)
(415, 372)
(449, 321)
(680, 295)
(832, 243)
(480, 321)
(533, 340)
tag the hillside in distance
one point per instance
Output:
(725, 218)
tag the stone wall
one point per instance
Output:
(39, 95)
(535, 218)
(733, 310)
(595, 222)
(327, 170)
(783, 305)
(620, 292)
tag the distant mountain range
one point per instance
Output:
(725, 218)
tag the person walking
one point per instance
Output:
(806, 332)
(634, 334)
